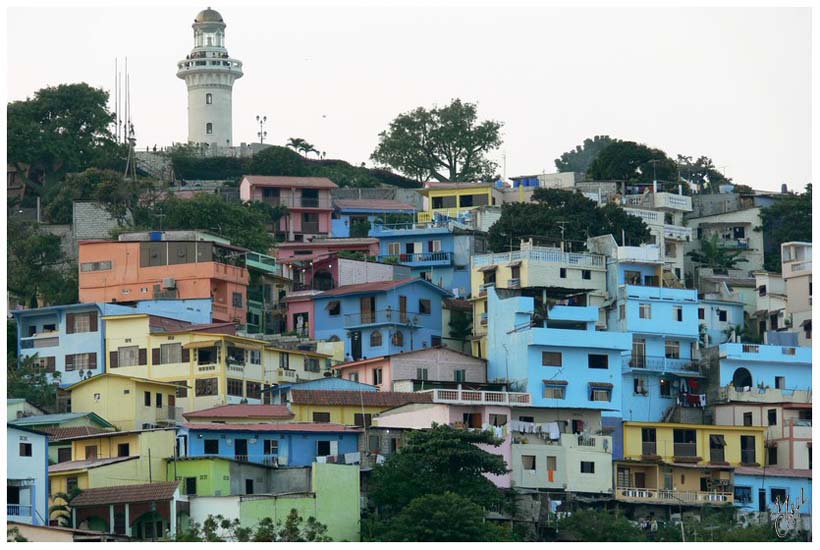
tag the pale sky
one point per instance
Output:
(730, 83)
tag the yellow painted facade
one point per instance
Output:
(339, 414)
(452, 201)
(216, 368)
(122, 400)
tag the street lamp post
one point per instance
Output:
(261, 133)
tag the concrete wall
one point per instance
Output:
(33, 468)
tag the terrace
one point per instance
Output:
(475, 397)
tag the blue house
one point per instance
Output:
(278, 394)
(716, 318)
(787, 369)
(70, 339)
(382, 318)
(27, 480)
(346, 212)
(562, 361)
(757, 491)
(291, 444)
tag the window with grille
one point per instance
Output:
(551, 358)
(554, 392)
(182, 388)
(600, 394)
(362, 420)
(528, 462)
(312, 364)
(398, 339)
(421, 374)
(424, 307)
(234, 387)
(645, 311)
(672, 349)
(375, 339)
(207, 386)
(460, 375)
(253, 390)
(323, 417)
(256, 357)
(170, 353)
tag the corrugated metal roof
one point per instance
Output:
(367, 399)
(242, 411)
(86, 464)
(373, 204)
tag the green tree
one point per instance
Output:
(219, 529)
(632, 162)
(277, 161)
(788, 219)
(13, 535)
(359, 228)
(446, 517)
(589, 525)
(436, 461)
(61, 509)
(61, 129)
(120, 196)
(702, 173)
(555, 209)
(713, 255)
(446, 143)
(461, 325)
(579, 159)
(26, 379)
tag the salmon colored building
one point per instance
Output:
(308, 202)
(128, 271)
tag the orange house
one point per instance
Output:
(127, 271)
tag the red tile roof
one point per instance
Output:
(242, 411)
(776, 472)
(56, 433)
(365, 398)
(375, 204)
(266, 427)
(290, 181)
(121, 494)
(379, 286)
(342, 241)
(84, 464)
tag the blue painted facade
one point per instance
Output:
(344, 217)
(716, 316)
(589, 364)
(525, 181)
(765, 364)
(356, 327)
(750, 488)
(27, 480)
(292, 447)
(44, 331)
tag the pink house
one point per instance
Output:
(307, 199)
(317, 248)
(300, 312)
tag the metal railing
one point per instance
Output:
(440, 258)
(686, 450)
(663, 364)
(649, 448)
(514, 282)
(673, 497)
(479, 397)
(20, 510)
(382, 316)
(544, 255)
(482, 290)
(747, 456)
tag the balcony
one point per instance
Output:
(663, 496)
(729, 394)
(669, 201)
(170, 414)
(420, 259)
(740, 244)
(18, 511)
(475, 397)
(427, 216)
(677, 233)
(382, 317)
(514, 282)
(298, 202)
(790, 268)
(685, 450)
(542, 255)
(262, 262)
(482, 290)
(661, 364)
(586, 443)
(649, 448)
(310, 228)
(42, 340)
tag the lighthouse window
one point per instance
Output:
(209, 128)
(209, 99)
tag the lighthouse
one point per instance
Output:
(209, 73)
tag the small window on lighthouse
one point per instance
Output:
(209, 128)
(209, 99)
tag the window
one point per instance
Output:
(128, 356)
(377, 377)
(421, 374)
(207, 386)
(393, 249)
(747, 419)
(209, 128)
(780, 382)
(170, 353)
(498, 420)
(63, 454)
(375, 339)
(271, 447)
(778, 495)
(190, 485)
(123, 449)
(528, 462)
(256, 357)
(398, 339)
(211, 446)
(554, 392)
(648, 442)
(334, 307)
(81, 361)
(95, 266)
(424, 307)
(81, 322)
(323, 417)
(586, 274)
(147, 399)
(672, 349)
(600, 394)
(666, 388)
(622, 312)
(563, 272)
(47, 363)
(772, 413)
(640, 385)
(526, 419)
(685, 442)
(182, 389)
(587, 467)
(701, 313)
(747, 449)
(284, 360)
(71, 483)
(743, 494)
(91, 452)
(234, 387)
(435, 246)
(645, 311)
(750, 348)
(237, 299)
(323, 448)
(253, 390)
(159, 400)
(248, 486)
(25, 449)
(363, 420)
(460, 375)
(677, 313)
(354, 376)
(771, 456)
(205, 356)
(209, 99)
(551, 358)
(722, 315)
(596, 361)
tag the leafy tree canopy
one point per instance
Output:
(580, 217)
(277, 161)
(119, 195)
(446, 143)
(701, 173)
(632, 162)
(359, 228)
(26, 379)
(788, 219)
(713, 255)
(589, 525)
(579, 159)
(218, 529)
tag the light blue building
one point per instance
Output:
(27, 480)
(759, 366)
(562, 361)
(716, 318)
(757, 491)
(439, 253)
(70, 339)
(346, 212)
(382, 318)
(290, 444)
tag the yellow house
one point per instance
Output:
(211, 369)
(687, 464)
(128, 402)
(111, 459)
(453, 199)
(349, 408)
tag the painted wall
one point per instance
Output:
(665, 440)
(715, 328)
(120, 400)
(31, 470)
(797, 488)
(339, 414)
(765, 363)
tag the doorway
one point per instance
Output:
(241, 448)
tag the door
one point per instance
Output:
(367, 309)
(403, 308)
(356, 344)
(638, 354)
(640, 480)
(241, 449)
(761, 500)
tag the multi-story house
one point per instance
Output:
(241, 414)
(439, 253)
(760, 492)
(770, 308)
(671, 464)
(796, 268)
(329, 271)
(455, 200)
(347, 212)
(548, 275)
(719, 317)
(558, 357)
(418, 369)
(27, 479)
(61, 428)
(267, 288)
(376, 319)
(345, 407)
(735, 231)
(126, 271)
(210, 365)
(307, 200)
(70, 339)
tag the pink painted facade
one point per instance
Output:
(309, 251)
(300, 304)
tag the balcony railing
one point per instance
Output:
(382, 317)
(672, 497)
(662, 364)
(760, 395)
(482, 290)
(542, 255)
(45, 340)
(677, 233)
(483, 319)
(475, 397)
(422, 258)
(310, 227)
(514, 282)
(747, 456)
(686, 450)
(299, 202)
(170, 414)
(19, 510)
(649, 448)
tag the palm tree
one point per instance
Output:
(712, 254)
(297, 144)
(62, 512)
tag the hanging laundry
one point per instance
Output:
(553, 430)
(321, 459)
(380, 459)
(352, 458)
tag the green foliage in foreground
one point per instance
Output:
(218, 529)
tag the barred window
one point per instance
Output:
(234, 387)
(253, 390)
(207, 386)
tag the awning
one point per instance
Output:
(555, 382)
(600, 385)
(488, 268)
(516, 263)
(205, 344)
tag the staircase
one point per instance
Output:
(155, 165)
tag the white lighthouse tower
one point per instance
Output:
(209, 74)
